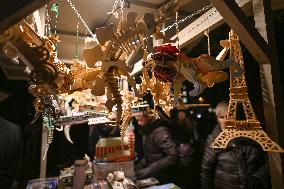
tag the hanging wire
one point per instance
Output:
(47, 22)
(206, 33)
(55, 8)
(115, 8)
(77, 38)
(199, 23)
(81, 19)
(121, 10)
(188, 17)
(177, 32)
(121, 3)
(86, 38)
(118, 4)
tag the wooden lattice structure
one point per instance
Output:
(250, 126)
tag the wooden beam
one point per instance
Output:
(245, 29)
(271, 90)
(39, 18)
(13, 11)
(195, 30)
(144, 4)
(211, 19)
(70, 34)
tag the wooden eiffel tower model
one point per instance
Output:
(249, 127)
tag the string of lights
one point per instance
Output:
(198, 24)
(163, 30)
(187, 18)
(55, 9)
(47, 23)
(77, 40)
(81, 19)
(118, 4)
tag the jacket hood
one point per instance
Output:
(153, 125)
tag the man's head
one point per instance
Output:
(142, 114)
(181, 115)
(143, 120)
(221, 113)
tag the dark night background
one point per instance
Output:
(18, 107)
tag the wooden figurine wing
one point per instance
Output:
(93, 55)
(105, 34)
(99, 87)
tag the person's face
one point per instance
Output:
(143, 120)
(181, 116)
(221, 120)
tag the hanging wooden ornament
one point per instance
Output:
(171, 65)
(159, 89)
(250, 127)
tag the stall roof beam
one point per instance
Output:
(260, 41)
(13, 11)
(144, 4)
(271, 90)
(248, 34)
(211, 19)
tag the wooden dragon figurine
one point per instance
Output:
(160, 90)
(169, 65)
(114, 47)
(128, 101)
(46, 72)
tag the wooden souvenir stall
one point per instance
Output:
(260, 41)
(94, 87)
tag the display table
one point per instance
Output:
(52, 184)
(101, 170)
(164, 186)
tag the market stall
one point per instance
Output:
(99, 86)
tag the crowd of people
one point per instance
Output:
(170, 149)
(173, 152)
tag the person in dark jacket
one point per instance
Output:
(242, 165)
(10, 153)
(160, 154)
(186, 137)
(187, 140)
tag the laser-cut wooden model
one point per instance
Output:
(250, 127)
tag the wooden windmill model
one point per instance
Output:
(249, 126)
